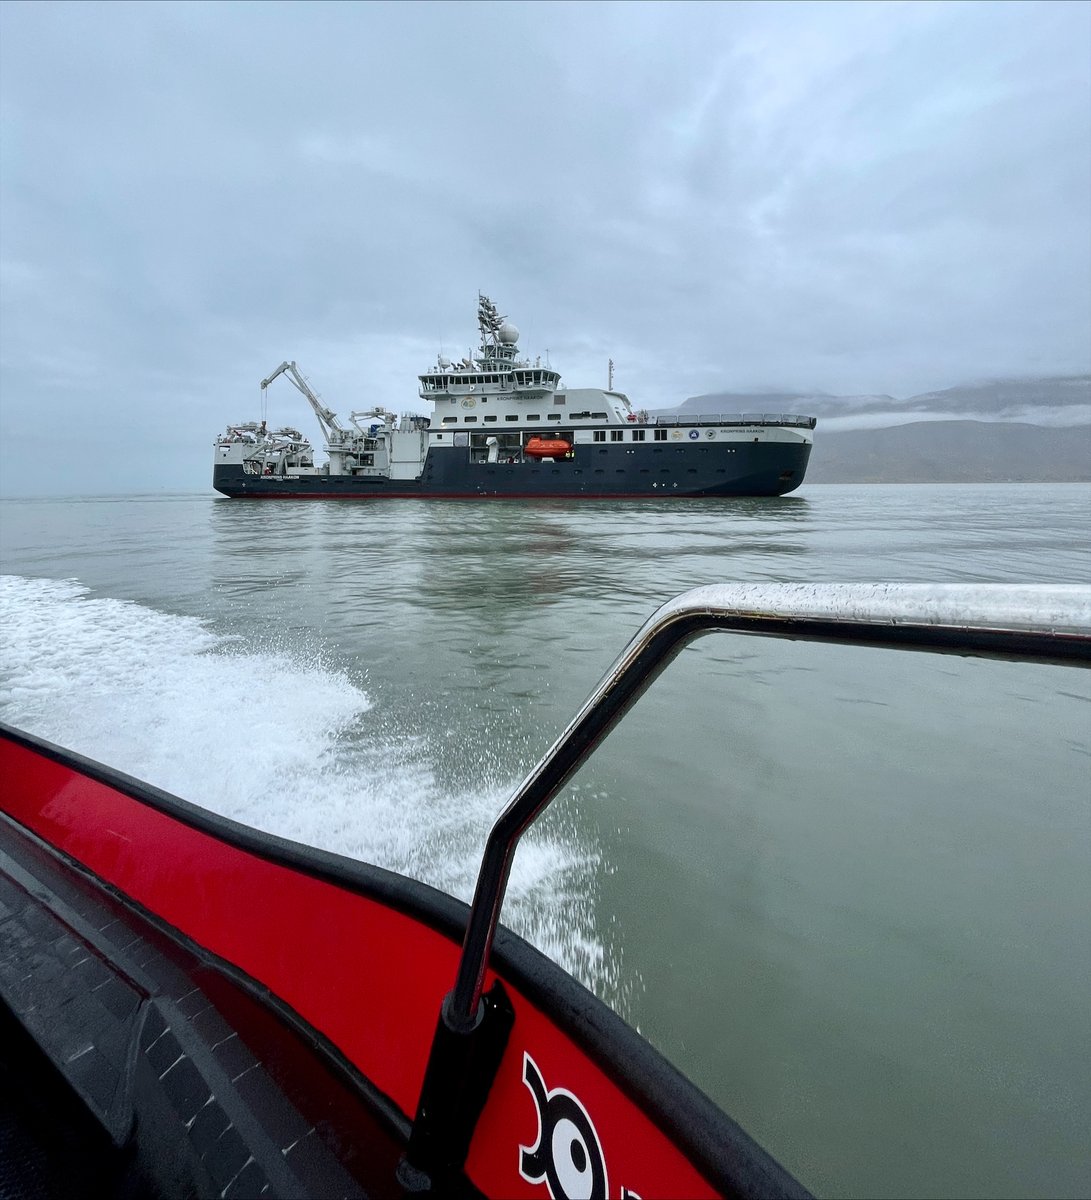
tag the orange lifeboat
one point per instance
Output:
(537, 447)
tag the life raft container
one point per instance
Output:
(548, 447)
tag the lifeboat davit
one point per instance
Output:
(548, 447)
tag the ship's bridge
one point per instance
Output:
(497, 372)
(488, 379)
(498, 385)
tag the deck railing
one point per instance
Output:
(1038, 624)
(1035, 624)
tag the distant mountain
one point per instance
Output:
(1013, 429)
(1008, 399)
(952, 452)
(1053, 400)
(739, 402)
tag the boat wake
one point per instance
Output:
(164, 698)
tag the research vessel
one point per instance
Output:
(500, 426)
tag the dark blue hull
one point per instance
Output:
(609, 472)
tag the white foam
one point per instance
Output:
(275, 739)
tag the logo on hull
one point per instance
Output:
(567, 1154)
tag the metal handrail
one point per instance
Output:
(1028, 623)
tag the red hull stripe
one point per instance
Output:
(466, 496)
(330, 954)
(368, 977)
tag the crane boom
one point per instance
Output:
(327, 418)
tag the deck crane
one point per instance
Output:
(334, 431)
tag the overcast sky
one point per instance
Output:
(860, 198)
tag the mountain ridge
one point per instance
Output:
(1018, 430)
(953, 452)
(1056, 397)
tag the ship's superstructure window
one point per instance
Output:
(660, 435)
(491, 417)
(599, 435)
(617, 435)
(558, 399)
(534, 417)
(638, 435)
(554, 416)
(450, 420)
(470, 420)
(599, 416)
(511, 417)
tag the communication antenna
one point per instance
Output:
(610, 376)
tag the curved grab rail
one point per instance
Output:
(1029, 623)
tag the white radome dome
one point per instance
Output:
(508, 334)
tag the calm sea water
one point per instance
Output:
(847, 891)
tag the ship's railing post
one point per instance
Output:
(1044, 624)
(1027, 623)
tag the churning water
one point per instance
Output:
(846, 890)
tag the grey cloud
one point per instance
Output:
(854, 198)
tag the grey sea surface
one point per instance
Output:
(847, 891)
